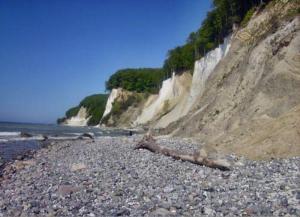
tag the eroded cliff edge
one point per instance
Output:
(251, 103)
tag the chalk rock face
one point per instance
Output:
(204, 67)
(113, 95)
(81, 119)
(250, 101)
(202, 70)
(177, 105)
(129, 105)
(167, 98)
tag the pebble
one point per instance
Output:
(108, 178)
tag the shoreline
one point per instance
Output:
(106, 177)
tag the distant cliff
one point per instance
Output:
(88, 112)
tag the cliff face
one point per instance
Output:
(122, 108)
(250, 103)
(194, 87)
(172, 92)
(243, 97)
(81, 119)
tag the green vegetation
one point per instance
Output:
(217, 25)
(293, 12)
(121, 105)
(143, 80)
(72, 112)
(247, 17)
(95, 105)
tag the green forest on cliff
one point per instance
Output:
(143, 80)
(216, 26)
(95, 105)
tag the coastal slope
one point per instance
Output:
(254, 89)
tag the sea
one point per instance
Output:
(12, 144)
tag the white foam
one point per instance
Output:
(10, 134)
(62, 137)
(38, 138)
(75, 134)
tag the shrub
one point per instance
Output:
(247, 17)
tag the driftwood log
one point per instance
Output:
(149, 143)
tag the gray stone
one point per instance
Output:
(149, 185)
(168, 189)
(161, 212)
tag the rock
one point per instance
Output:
(123, 212)
(173, 210)
(45, 138)
(34, 204)
(1, 161)
(18, 165)
(118, 192)
(65, 190)
(25, 135)
(208, 211)
(165, 205)
(209, 189)
(168, 189)
(78, 167)
(161, 212)
(284, 202)
(87, 135)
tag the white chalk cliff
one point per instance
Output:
(81, 119)
(169, 95)
(202, 70)
(109, 104)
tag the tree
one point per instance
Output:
(143, 80)
(217, 25)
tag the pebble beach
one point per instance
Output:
(107, 177)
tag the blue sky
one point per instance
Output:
(55, 52)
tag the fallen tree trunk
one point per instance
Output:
(149, 143)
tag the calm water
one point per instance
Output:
(12, 144)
